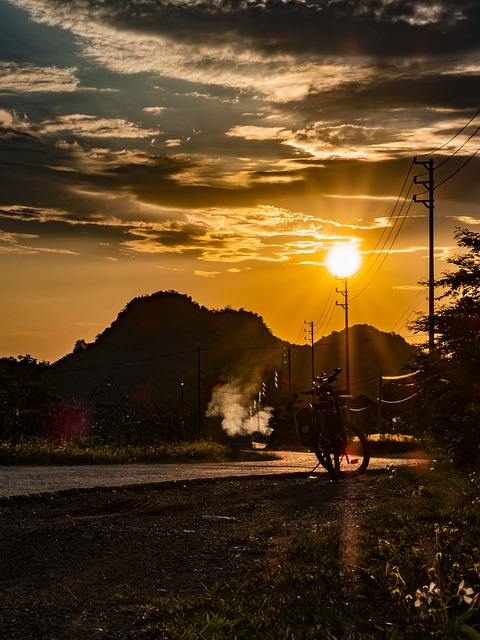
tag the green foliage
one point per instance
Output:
(448, 408)
(395, 448)
(276, 599)
(407, 569)
(45, 451)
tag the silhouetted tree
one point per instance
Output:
(24, 399)
(449, 405)
(79, 345)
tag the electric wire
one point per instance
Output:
(458, 169)
(327, 313)
(431, 153)
(387, 226)
(325, 308)
(408, 311)
(458, 148)
(386, 254)
(327, 323)
(379, 254)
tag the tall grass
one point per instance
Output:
(409, 569)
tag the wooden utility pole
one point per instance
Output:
(344, 305)
(312, 344)
(199, 426)
(428, 201)
(288, 362)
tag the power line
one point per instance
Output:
(378, 254)
(387, 226)
(329, 308)
(386, 254)
(457, 170)
(458, 148)
(408, 311)
(431, 153)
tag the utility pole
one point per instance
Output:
(310, 325)
(199, 394)
(344, 305)
(429, 203)
(181, 406)
(287, 361)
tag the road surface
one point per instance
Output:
(31, 480)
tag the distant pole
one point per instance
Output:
(116, 386)
(379, 403)
(429, 184)
(344, 304)
(287, 361)
(199, 428)
(312, 343)
(181, 403)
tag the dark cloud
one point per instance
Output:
(365, 28)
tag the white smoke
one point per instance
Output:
(241, 412)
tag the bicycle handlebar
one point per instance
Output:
(329, 379)
(323, 379)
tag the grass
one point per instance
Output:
(396, 449)
(409, 569)
(39, 451)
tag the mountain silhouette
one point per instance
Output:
(164, 349)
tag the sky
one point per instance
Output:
(220, 149)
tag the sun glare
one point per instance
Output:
(343, 260)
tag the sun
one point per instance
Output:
(343, 260)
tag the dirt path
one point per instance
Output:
(77, 565)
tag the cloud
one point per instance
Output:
(81, 125)
(261, 234)
(251, 47)
(17, 243)
(264, 234)
(467, 220)
(365, 27)
(29, 78)
(206, 274)
(250, 132)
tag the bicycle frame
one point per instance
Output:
(340, 447)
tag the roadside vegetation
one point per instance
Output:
(44, 451)
(409, 569)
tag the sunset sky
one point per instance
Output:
(220, 148)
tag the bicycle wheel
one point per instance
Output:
(343, 450)
(321, 445)
(351, 454)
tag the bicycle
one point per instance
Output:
(340, 447)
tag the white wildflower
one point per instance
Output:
(464, 593)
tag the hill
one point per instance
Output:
(168, 353)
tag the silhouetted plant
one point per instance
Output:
(449, 405)
(24, 399)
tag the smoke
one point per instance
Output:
(241, 412)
